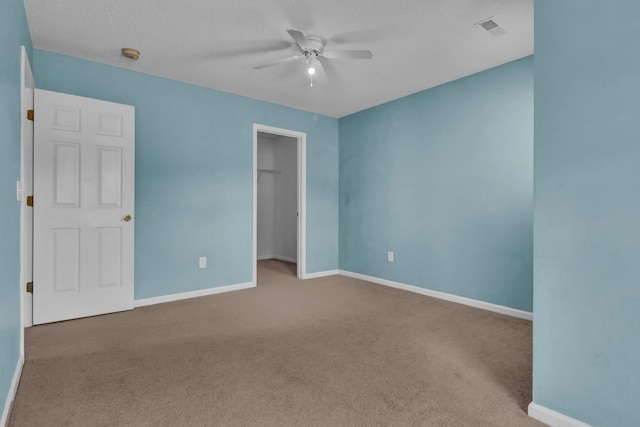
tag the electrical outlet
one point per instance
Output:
(203, 262)
(390, 256)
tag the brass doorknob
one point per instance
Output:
(127, 217)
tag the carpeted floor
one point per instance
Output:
(333, 351)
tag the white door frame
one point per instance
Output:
(302, 196)
(27, 86)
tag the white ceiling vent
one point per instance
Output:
(492, 27)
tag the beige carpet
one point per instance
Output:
(325, 352)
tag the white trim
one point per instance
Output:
(302, 205)
(553, 418)
(302, 195)
(13, 388)
(321, 274)
(278, 257)
(285, 259)
(27, 85)
(444, 296)
(193, 294)
(254, 189)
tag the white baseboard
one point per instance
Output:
(285, 259)
(278, 257)
(321, 274)
(553, 418)
(193, 294)
(444, 296)
(13, 388)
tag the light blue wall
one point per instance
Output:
(587, 210)
(194, 173)
(14, 33)
(444, 178)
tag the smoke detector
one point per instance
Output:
(131, 53)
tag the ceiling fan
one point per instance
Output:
(312, 48)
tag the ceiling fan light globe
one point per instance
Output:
(311, 71)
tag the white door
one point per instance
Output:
(83, 207)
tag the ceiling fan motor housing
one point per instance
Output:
(317, 46)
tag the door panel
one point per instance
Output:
(83, 190)
(109, 257)
(66, 175)
(65, 259)
(110, 176)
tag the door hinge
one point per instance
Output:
(30, 201)
(30, 115)
(30, 287)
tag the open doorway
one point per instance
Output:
(279, 197)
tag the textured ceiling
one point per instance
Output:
(416, 44)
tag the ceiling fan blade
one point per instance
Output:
(320, 77)
(347, 54)
(277, 62)
(251, 48)
(300, 38)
